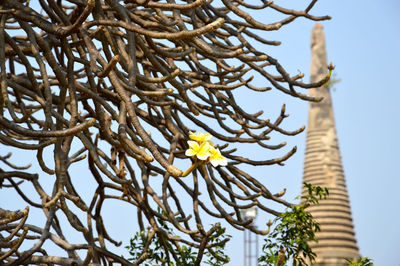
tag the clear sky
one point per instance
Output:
(363, 40)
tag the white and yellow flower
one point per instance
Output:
(202, 148)
(216, 157)
(200, 151)
(200, 137)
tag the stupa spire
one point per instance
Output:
(323, 167)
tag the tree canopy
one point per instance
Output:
(122, 87)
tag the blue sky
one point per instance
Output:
(363, 42)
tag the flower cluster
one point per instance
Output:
(202, 148)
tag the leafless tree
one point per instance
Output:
(118, 85)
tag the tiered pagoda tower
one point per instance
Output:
(323, 167)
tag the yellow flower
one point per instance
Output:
(200, 137)
(216, 158)
(200, 151)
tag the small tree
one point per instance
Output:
(293, 232)
(116, 86)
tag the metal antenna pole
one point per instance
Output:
(256, 249)
(245, 248)
(250, 253)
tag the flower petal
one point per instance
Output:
(200, 137)
(216, 158)
(203, 153)
(204, 148)
(214, 163)
(206, 137)
(193, 144)
(223, 162)
(190, 152)
(203, 157)
(192, 135)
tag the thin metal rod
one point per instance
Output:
(245, 246)
(250, 253)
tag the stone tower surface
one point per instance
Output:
(323, 167)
